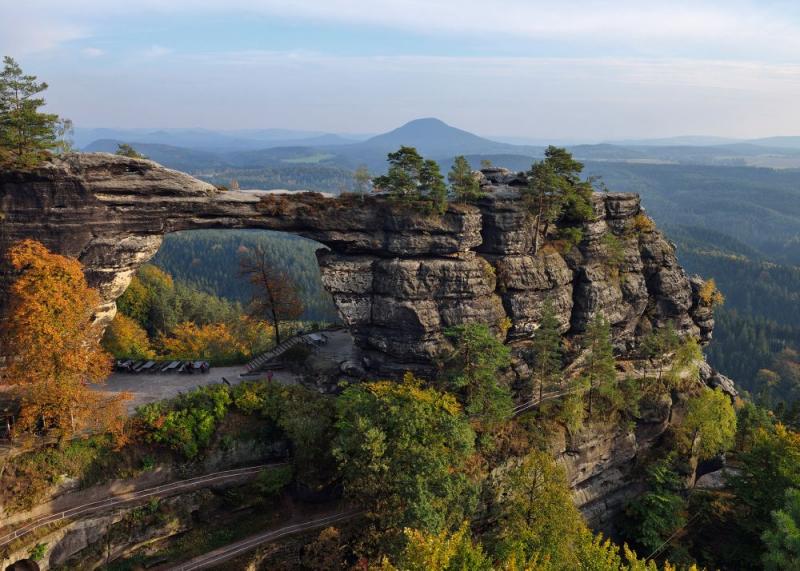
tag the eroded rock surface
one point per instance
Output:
(398, 277)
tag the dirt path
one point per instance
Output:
(146, 388)
(217, 556)
(82, 508)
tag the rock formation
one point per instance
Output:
(398, 277)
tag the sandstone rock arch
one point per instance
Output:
(398, 278)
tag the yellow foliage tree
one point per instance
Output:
(126, 338)
(54, 345)
(213, 342)
(710, 295)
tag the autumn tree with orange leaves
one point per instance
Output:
(275, 297)
(54, 346)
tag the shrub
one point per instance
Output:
(570, 237)
(642, 223)
(614, 252)
(709, 294)
(272, 480)
(38, 551)
(187, 423)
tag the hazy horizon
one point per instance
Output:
(591, 71)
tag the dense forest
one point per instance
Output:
(208, 261)
(757, 335)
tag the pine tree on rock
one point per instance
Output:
(599, 373)
(547, 348)
(463, 183)
(26, 134)
(402, 179)
(414, 180)
(431, 185)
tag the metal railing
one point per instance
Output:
(132, 496)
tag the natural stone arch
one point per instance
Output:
(112, 213)
(397, 276)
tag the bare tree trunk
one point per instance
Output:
(277, 328)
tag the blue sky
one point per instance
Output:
(581, 70)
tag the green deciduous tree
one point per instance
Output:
(26, 134)
(463, 183)
(767, 468)
(782, 540)
(710, 424)
(402, 450)
(536, 517)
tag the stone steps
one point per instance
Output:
(274, 353)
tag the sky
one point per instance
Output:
(576, 70)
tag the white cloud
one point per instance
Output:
(155, 51)
(23, 33)
(93, 52)
(753, 27)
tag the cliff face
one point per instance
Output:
(399, 278)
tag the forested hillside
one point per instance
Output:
(758, 207)
(208, 261)
(758, 329)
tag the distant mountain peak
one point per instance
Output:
(431, 135)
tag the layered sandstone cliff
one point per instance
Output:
(398, 277)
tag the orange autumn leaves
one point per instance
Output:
(54, 346)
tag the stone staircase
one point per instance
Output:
(274, 353)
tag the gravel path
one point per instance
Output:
(151, 387)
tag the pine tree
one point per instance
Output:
(463, 183)
(431, 185)
(556, 192)
(599, 372)
(126, 150)
(475, 366)
(402, 179)
(414, 180)
(659, 343)
(545, 196)
(26, 134)
(547, 348)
